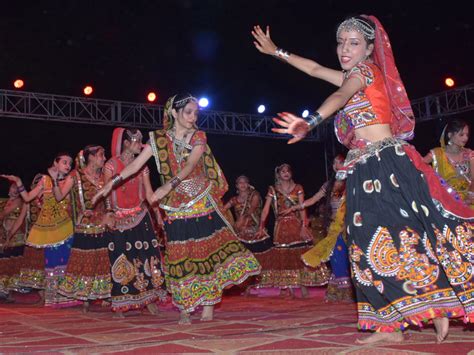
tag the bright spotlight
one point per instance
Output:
(305, 113)
(18, 83)
(261, 109)
(151, 96)
(449, 82)
(88, 90)
(203, 102)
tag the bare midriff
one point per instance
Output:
(373, 133)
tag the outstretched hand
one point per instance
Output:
(263, 42)
(294, 125)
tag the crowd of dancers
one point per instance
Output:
(391, 232)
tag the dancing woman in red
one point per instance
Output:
(137, 279)
(203, 255)
(282, 265)
(410, 242)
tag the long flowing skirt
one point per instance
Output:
(202, 257)
(56, 259)
(282, 265)
(32, 270)
(137, 277)
(87, 275)
(411, 259)
(10, 266)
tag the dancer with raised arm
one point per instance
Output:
(203, 255)
(137, 278)
(410, 242)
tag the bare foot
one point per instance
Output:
(153, 308)
(85, 307)
(304, 292)
(395, 337)
(207, 313)
(119, 315)
(184, 318)
(442, 328)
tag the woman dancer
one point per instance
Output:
(333, 247)
(203, 255)
(282, 266)
(247, 208)
(53, 228)
(137, 280)
(410, 262)
(13, 228)
(87, 275)
(453, 161)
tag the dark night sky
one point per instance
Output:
(125, 48)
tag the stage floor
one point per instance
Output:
(263, 323)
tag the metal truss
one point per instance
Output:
(446, 103)
(58, 108)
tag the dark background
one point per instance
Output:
(126, 48)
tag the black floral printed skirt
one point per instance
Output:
(411, 260)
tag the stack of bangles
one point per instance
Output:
(175, 182)
(314, 119)
(21, 188)
(116, 180)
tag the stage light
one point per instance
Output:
(151, 96)
(305, 114)
(261, 109)
(18, 83)
(449, 82)
(88, 90)
(203, 102)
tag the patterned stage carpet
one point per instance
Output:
(261, 324)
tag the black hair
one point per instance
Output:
(91, 149)
(454, 126)
(125, 136)
(181, 100)
(58, 156)
(367, 21)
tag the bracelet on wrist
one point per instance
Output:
(282, 54)
(175, 182)
(20, 189)
(116, 180)
(314, 119)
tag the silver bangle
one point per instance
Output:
(116, 179)
(314, 120)
(282, 54)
